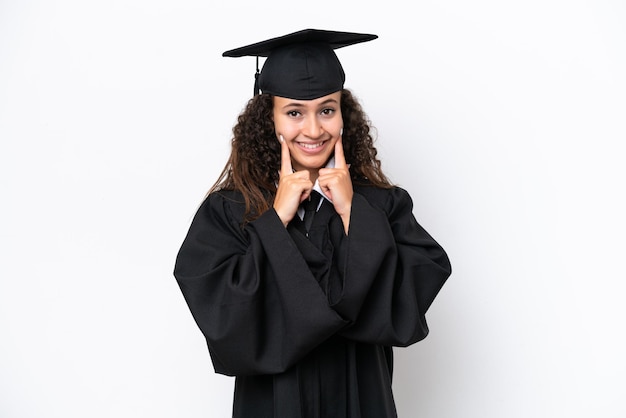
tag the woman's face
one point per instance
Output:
(310, 128)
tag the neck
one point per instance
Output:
(313, 174)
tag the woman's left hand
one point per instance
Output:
(337, 185)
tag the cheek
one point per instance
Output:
(277, 125)
(334, 126)
(284, 127)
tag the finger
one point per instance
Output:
(305, 195)
(285, 158)
(340, 159)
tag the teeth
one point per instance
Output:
(312, 146)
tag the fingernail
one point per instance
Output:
(281, 138)
(341, 132)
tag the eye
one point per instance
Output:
(293, 113)
(328, 111)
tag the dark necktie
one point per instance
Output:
(310, 207)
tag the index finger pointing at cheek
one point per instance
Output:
(340, 159)
(285, 158)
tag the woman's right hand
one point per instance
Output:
(293, 187)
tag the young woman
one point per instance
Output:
(304, 312)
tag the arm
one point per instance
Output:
(251, 292)
(391, 272)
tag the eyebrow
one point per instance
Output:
(300, 105)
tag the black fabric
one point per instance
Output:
(307, 324)
(334, 39)
(302, 72)
(310, 207)
(301, 65)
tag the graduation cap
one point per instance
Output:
(301, 65)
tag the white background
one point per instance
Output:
(504, 120)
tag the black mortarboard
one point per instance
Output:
(301, 65)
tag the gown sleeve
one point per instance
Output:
(250, 291)
(392, 271)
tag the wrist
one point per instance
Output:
(282, 218)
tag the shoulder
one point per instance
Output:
(223, 204)
(225, 197)
(386, 199)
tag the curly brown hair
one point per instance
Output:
(254, 163)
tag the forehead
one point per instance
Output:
(324, 100)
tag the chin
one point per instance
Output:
(313, 162)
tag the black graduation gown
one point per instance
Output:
(306, 324)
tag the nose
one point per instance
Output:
(312, 127)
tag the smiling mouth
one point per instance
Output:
(311, 146)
